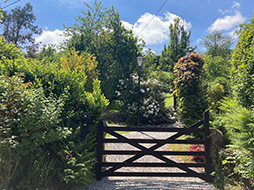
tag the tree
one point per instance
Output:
(215, 67)
(99, 32)
(243, 66)
(18, 28)
(179, 45)
(217, 44)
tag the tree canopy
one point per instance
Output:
(217, 44)
(179, 45)
(18, 27)
(99, 31)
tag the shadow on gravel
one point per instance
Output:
(150, 184)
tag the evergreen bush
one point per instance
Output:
(191, 97)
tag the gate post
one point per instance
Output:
(208, 161)
(99, 150)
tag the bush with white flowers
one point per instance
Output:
(152, 101)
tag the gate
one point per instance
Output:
(186, 167)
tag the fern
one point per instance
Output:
(239, 122)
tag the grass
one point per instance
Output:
(116, 125)
(169, 100)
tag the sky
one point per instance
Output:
(200, 16)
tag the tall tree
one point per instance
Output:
(179, 45)
(100, 32)
(217, 44)
(18, 27)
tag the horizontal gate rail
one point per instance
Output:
(154, 141)
(166, 162)
(156, 174)
(131, 152)
(144, 164)
(192, 128)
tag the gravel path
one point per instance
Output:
(130, 183)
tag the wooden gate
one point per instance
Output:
(186, 167)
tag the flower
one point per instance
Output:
(197, 148)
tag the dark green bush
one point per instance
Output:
(243, 67)
(41, 107)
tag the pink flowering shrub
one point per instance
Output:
(197, 148)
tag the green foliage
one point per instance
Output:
(150, 62)
(80, 161)
(179, 45)
(8, 51)
(99, 31)
(237, 166)
(40, 119)
(81, 63)
(237, 121)
(217, 43)
(215, 66)
(165, 79)
(218, 176)
(216, 93)
(152, 101)
(243, 67)
(18, 28)
(188, 88)
(29, 119)
(49, 53)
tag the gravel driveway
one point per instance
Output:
(129, 183)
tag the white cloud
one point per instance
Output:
(51, 37)
(228, 22)
(157, 31)
(235, 5)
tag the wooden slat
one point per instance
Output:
(132, 152)
(154, 141)
(155, 174)
(137, 164)
(187, 130)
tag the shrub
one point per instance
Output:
(237, 122)
(243, 67)
(29, 118)
(152, 101)
(188, 89)
(238, 166)
(41, 114)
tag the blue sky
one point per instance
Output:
(201, 16)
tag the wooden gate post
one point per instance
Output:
(208, 161)
(99, 150)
